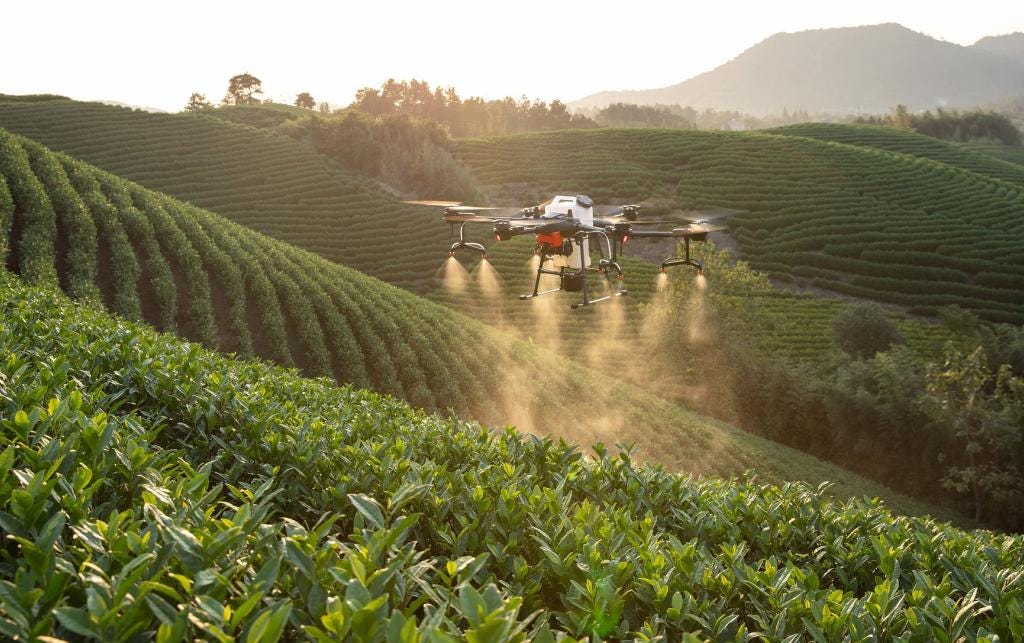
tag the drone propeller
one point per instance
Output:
(697, 227)
(436, 204)
(470, 208)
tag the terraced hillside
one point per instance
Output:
(1009, 153)
(191, 170)
(911, 143)
(265, 181)
(849, 219)
(183, 269)
(782, 324)
(158, 490)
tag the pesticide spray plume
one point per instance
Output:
(661, 282)
(487, 280)
(453, 276)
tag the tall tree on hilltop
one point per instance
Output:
(196, 103)
(242, 90)
(305, 101)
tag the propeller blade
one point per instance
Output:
(469, 217)
(696, 228)
(436, 204)
(470, 208)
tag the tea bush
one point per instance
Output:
(152, 489)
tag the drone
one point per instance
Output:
(565, 228)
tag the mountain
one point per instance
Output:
(1008, 46)
(851, 69)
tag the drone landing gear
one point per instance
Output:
(467, 245)
(574, 279)
(685, 260)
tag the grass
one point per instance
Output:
(159, 490)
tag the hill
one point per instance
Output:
(146, 256)
(159, 490)
(174, 169)
(907, 142)
(849, 70)
(864, 222)
(260, 179)
(1009, 46)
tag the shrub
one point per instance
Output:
(862, 331)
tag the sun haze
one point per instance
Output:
(156, 54)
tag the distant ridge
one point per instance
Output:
(850, 69)
(1010, 45)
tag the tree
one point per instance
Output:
(324, 107)
(901, 118)
(305, 101)
(862, 331)
(985, 412)
(242, 90)
(196, 103)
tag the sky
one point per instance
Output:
(156, 53)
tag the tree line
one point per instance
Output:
(951, 125)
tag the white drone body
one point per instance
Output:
(562, 205)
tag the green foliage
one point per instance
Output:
(410, 155)
(847, 218)
(6, 218)
(31, 250)
(863, 330)
(118, 263)
(197, 103)
(243, 90)
(985, 411)
(953, 125)
(626, 115)
(194, 496)
(905, 142)
(466, 117)
(261, 179)
(220, 283)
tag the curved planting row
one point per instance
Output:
(907, 142)
(813, 210)
(188, 271)
(260, 179)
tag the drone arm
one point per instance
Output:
(686, 234)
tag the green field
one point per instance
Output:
(158, 490)
(185, 157)
(149, 257)
(853, 220)
(259, 179)
(906, 142)
(1009, 153)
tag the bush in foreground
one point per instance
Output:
(153, 489)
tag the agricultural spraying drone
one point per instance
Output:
(564, 227)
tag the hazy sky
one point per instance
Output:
(156, 53)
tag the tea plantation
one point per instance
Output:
(265, 181)
(849, 219)
(148, 257)
(907, 142)
(191, 158)
(153, 489)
